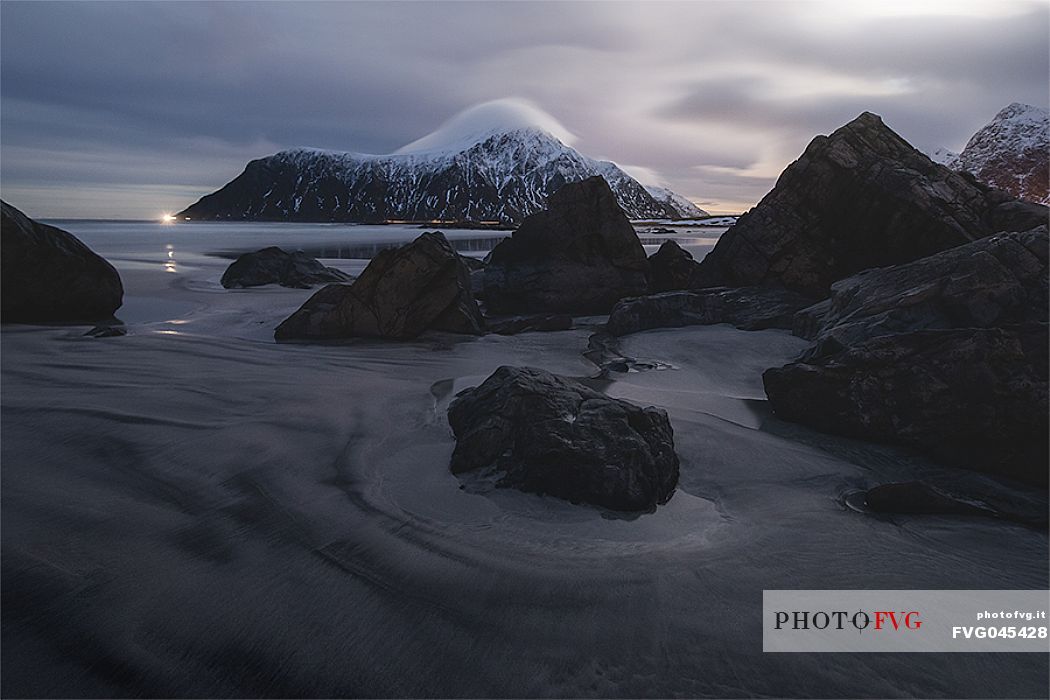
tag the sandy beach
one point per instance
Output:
(194, 509)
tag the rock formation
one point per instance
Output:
(995, 281)
(549, 434)
(581, 255)
(404, 291)
(859, 198)
(49, 275)
(973, 397)
(672, 268)
(275, 266)
(748, 308)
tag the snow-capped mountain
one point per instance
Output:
(1010, 153)
(945, 157)
(684, 208)
(494, 162)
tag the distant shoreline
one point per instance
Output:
(456, 225)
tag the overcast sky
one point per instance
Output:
(130, 110)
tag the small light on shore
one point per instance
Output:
(167, 218)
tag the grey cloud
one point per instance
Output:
(185, 93)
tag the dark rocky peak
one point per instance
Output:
(580, 255)
(861, 197)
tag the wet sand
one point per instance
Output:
(194, 510)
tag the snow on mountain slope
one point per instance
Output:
(685, 208)
(478, 123)
(494, 162)
(1011, 152)
(945, 157)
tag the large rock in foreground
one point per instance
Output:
(552, 435)
(275, 266)
(404, 291)
(970, 397)
(859, 198)
(581, 255)
(49, 275)
(747, 308)
(995, 281)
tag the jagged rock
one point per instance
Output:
(859, 198)
(49, 275)
(275, 266)
(524, 324)
(552, 435)
(973, 397)
(995, 281)
(403, 291)
(671, 268)
(580, 255)
(808, 322)
(748, 308)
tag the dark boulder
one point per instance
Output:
(275, 266)
(859, 198)
(671, 268)
(995, 281)
(748, 308)
(49, 275)
(580, 255)
(971, 397)
(404, 291)
(552, 435)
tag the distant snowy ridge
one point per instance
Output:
(497, 161)
(945, 157)
(1011, 152)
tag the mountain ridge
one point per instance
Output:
(1010, 152)
(463, 171)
